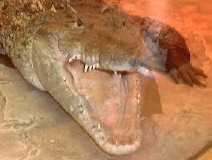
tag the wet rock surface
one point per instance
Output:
(33, 126)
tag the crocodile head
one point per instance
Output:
(89, 61)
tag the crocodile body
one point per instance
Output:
(75, 50)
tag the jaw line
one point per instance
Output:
(113, 143)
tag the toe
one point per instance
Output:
(174, 73)
(198, 71)
(185, 76)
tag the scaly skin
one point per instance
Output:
(49, 41)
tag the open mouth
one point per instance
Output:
(114, 100)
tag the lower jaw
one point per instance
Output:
(122, 120)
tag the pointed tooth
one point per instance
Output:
(90, 68)
(139, 95)
(53, 9)
(138, 101)
(97, 65)
(86, 68)
(70, 59)
(115, 72)
(99, 127)
(94, 66)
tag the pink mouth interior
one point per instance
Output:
(113, 99)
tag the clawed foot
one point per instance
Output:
(189, 74)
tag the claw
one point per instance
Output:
(175, 75)
(202, 85)
(185, 76)
(198, 71)
(194, 77)
(188, 74)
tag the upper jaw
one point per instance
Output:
(98, 45)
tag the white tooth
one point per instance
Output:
(70, 59)
(53, 9)
(115, 72)
(139, 95)
(86, 68)
(94, 66)
(97, 65)
(99, 127)
(138, 101)
(90, 68)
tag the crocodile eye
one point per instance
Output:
(77, 24)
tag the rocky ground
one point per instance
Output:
(177, 121)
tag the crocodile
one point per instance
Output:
(91, 56)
